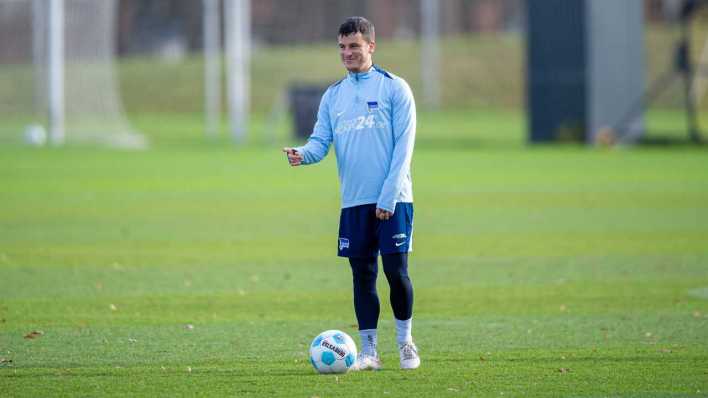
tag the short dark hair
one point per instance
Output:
(354, 25)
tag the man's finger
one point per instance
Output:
(294, 158)
(382, 214)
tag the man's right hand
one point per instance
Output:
(294, 157)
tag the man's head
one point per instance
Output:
(356, 44)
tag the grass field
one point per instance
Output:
(203, 270)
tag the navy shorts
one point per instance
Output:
(361, 234)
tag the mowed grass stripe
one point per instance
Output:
(550, 271)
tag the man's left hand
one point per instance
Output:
(382, 214)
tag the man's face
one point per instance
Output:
(356, 52)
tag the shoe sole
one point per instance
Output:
(411, 367)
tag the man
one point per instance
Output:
(370, 117)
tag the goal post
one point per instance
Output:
(55, 67)
(238, 58)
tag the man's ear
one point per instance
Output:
(372, 47)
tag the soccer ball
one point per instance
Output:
(35, 135)
(333, 351)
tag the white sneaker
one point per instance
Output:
(367, 362)
(409, 356)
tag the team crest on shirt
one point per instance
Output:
(343, 243)
(372, 105)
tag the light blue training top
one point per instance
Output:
(370, 117)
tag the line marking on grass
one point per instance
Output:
(701, 293)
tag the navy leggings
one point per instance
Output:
(366, 300)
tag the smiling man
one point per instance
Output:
(370, 117)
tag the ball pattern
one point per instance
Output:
(332, 351)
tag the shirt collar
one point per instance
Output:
(356, 76)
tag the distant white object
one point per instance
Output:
(212, 66)
(173, 50)
(238, 55)
(430, 52)
(35, 135)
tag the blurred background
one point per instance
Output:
(137, 73)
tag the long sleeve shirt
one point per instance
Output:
(371, 119)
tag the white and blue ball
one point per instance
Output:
(333, 351)
(35, 135)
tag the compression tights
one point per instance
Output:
(366, 299)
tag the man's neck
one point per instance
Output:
(364, 69)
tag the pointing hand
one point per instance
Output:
(294, 157)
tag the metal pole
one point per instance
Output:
(687, 74)
(39, 53)
(238, 38)
(698, 89)
(212, 67)
(430, 53)
(56, 72)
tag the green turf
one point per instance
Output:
(538, 272)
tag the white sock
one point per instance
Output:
(368, 341)
(403, 331)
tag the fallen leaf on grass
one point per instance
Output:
(189, 369)
(453, 389)
(189, 326)
(113, 307)
(34, 334)
(5, 361)
(482, 359)
(132, 340)
(564, 370)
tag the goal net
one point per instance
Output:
(90, 101)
